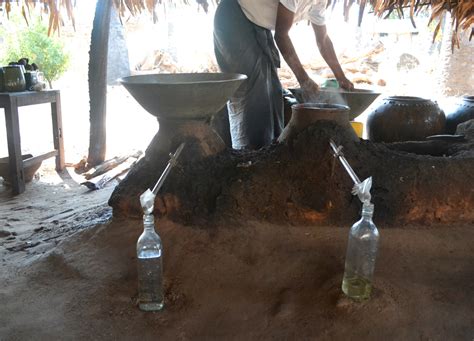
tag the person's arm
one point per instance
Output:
(284, 22)
(326, 49)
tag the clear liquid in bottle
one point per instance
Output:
(150, 278)
(150, 268)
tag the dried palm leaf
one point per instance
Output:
(51, 7)
(462, 12)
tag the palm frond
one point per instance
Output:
(462, 11)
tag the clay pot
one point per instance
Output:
(464, 111)
(357, 99)
(405, 118)
(14, 78)
(305, 114)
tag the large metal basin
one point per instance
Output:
(183, 95)
(357, 100)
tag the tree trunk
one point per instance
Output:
(98, 82)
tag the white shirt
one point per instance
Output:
(263, 12)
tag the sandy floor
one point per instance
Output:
(76, 278)
(52, 208)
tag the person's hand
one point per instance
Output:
(309, 90)
(345, 84)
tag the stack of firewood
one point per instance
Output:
(99, 176)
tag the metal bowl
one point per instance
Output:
(357, 100)
(183, 95)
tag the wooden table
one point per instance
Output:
(10, 102)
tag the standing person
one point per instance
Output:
(243, 43)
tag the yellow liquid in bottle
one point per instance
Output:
(356, 287)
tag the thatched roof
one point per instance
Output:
(54, 7)
(462, 11)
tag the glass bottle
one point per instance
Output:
(360, 258)
(150, 267)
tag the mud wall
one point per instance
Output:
(301, 182)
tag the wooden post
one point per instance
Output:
(58, 132)
(98, 82)
(14, 146)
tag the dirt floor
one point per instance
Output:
(53, 207)
(68, 272)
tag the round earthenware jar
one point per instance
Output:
(405, 118)
(305, 114)
(463, 111)
(14, 78)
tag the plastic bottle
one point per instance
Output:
(150, 267)
(360, 258)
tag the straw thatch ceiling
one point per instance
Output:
(462, 11)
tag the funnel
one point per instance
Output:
(357, 100)
(184, 104)
(183, 95)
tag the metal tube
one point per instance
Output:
(337, 151)
(171, 163)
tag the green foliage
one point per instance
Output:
(34, 43)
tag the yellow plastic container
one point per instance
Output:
(358, 128)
